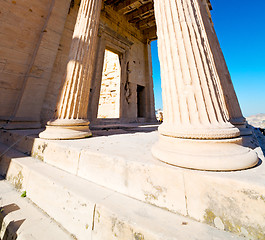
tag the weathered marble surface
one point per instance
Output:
(121, 160)
(196, 132)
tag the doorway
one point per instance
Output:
(109, 100)
(140, 101)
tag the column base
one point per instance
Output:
(218, 131)
(209, 155)
(66, 129)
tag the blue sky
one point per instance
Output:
(240, 27)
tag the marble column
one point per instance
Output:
(70, 119)
(196, 132)
(231, 101)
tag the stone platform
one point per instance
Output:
(120, 160)
(78, 209)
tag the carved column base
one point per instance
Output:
(211, 155)
(66, 129)
(206, 131)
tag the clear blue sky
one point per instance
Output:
(240, 27)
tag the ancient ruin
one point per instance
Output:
(72, 69)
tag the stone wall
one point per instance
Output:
(20, 29)
(30, 35)
(137, 59)
(35, 39)
(136, 66)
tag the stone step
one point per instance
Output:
(21, 219)
(121, 160)
(89, 211)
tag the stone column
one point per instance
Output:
(150, 106)
(196, 132)
(70, 119)
(231, 101)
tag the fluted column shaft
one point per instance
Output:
(193, 97)
(231, 101)
(75, 94)
(72, 107)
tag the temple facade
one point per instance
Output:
(47, 43)
(53, 74)
(79, 138)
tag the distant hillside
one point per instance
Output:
(257, 121)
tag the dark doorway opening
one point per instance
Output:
(140, 101)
